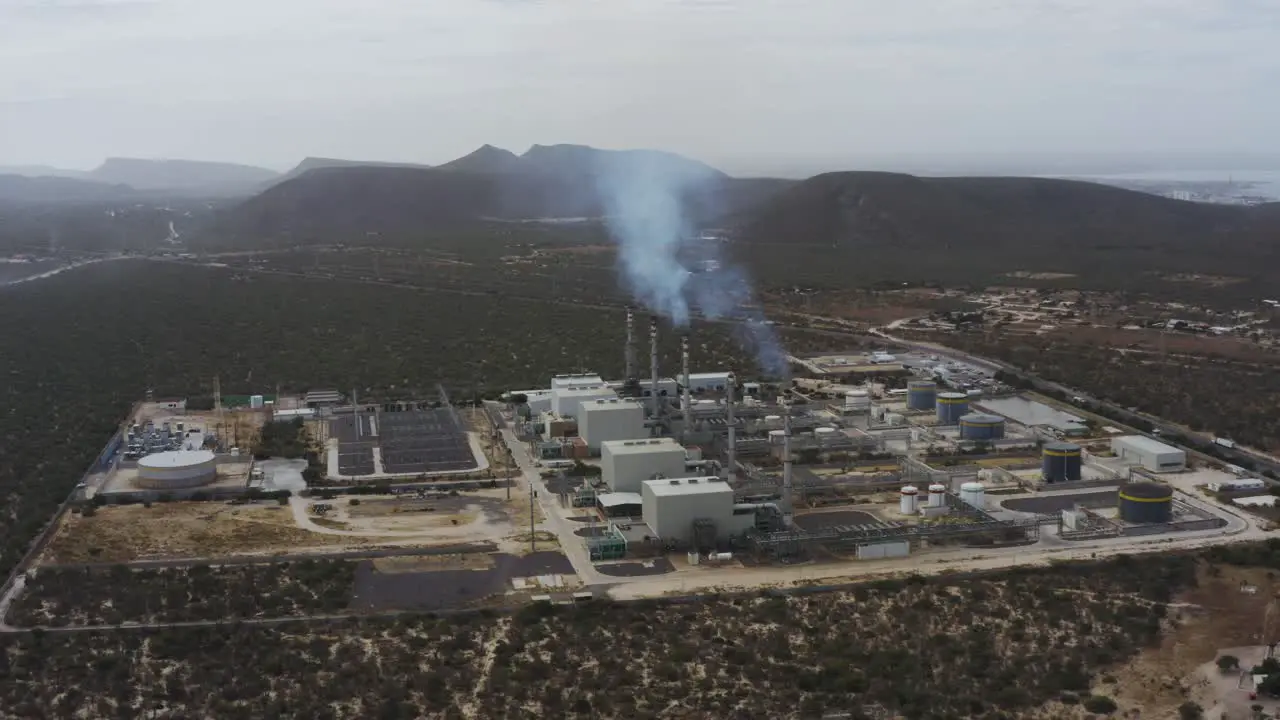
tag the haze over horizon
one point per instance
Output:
(750, 86)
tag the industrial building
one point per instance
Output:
(177, 469)
(1240, 485)
(610, 419)
(625, 464)
(694, 511)
(1146, 502)
(1061, 462)
(1150, 454)
(707, 382)
(566, 401)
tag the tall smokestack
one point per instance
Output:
(786, 460)
(688, 402)
(733, 426)
(653, 366)
(631, 345)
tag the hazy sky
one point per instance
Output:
(750, 85)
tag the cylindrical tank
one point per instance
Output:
(176, 469)
(1146, 502)
(977, 426)
(922, 395)
(857, 400)
(909, 498)
(776, 437)
(951, 407)
(937, 495)
(1060, 462)
(826, 435)
(975, 494)
(773, 421)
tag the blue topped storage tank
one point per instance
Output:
(951, 407)
(922, 395)
(1061, 462)
(1146, 502)
(979, 426)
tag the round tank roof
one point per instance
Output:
(922, 384)
(909, 490)
(973, 486)
(1146, 491)
(176, 459)
(1062, 447)
(936, 488)
(825, 430)
(981, 419)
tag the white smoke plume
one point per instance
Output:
(645, 198)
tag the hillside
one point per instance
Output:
(19, 189)
(847, 228)
(188, 177)
(316, 163)
(401, 205)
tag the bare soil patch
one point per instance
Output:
(1164, 342)
(182, 530)
(1029, 275)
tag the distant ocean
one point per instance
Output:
(1261, 182)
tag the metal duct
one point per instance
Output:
(733, 426)
(630, 350)
(688, 401)
(653, 366)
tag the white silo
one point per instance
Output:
(773, 421)
(777, 437)
(826, 435)
(975, 494)
(937, 495)
(907, 505)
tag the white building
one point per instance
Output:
(1238, 485)
(560, 382)
(624, 464)
(671, 506)
(1150, 454)
(708, 382)
(566, 401)
(667, 387)
(610, 419)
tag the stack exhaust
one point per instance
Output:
(653, 366)
(733, 426)
(631, 346)
(786, 462)
(688, 402)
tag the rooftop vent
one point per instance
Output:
(693, 480)
(675, 482)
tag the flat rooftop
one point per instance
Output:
(639, 447)
(1146, 444)
(684, 487)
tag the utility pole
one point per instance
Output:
(533, 538)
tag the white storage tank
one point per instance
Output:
(909, 498)
(777, 437)
(937, 495)
(857, 400)
(773, 421)
(974, 494)
(826, 435)
(177, 469)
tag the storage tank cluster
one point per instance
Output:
(974, 494)
(922, 395)
(1061, 462)
(909, 499)
(951, 407)
(978, 426)
(1146, 502)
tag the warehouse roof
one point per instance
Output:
(688, 486)
(612, 404)
(1146, 444)
(625, 447)
(615, 499)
